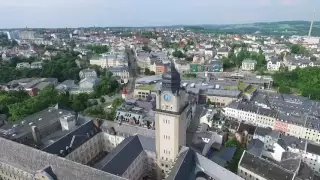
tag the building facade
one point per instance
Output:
(248, 65)
(171, 121)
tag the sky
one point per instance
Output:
(107, 13)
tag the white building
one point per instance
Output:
(120, 71)
(248, 65)
(23, 65)
(273, 64)
(36, 65)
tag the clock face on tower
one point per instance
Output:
(167, 97)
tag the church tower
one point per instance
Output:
(170, 118)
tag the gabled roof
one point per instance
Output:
(255, 147)
(264, 168)
(313, 148)
(32, 160)
(293, 142)
(73, 140)
(121, 157)
(191, 165)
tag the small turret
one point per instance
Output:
(124, 93)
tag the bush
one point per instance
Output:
(284, 89)
(102, 100)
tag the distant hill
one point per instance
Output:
(268, 28)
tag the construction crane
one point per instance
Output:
(314, 16)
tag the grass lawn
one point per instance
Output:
(242, 86)
(147, 87)
(233, 165)
(251, 89)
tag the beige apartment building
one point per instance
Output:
(306, 126)
(221, 97)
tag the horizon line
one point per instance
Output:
(159, 26)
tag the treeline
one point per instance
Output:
(4, 41)
(18, 104)
(62, 67)
(99, 49)
(306, 81)
(234, 60)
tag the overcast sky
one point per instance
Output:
(83, 13)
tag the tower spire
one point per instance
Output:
(311, 25)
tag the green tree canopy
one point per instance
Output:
(298, 49)
(284, 89)
(178, 54)
(306, 80)
(99, 49)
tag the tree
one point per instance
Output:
(243, 54)
(99, 49)
(102, 100)
(95, 102)
(146, 48)
(79, 101)
(305, 80)
(115, 104)
(47, 97)
(189, 58)
(313, 58)
(208, 101)
(297, 49)
(227, 63)
(11, 97)
(260, 58)
(284, 89)
(178, 54)
(152, 73)
(96, 111)
(147, 71)
(107, 85)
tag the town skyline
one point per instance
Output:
(61, 14)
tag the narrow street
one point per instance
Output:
(194, 123)
(133, 71)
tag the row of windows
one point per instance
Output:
(166, 152)
(166, 121)
(167, 159)
(246, 175)
(166, 107)
(166, 137)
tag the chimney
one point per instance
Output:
(76, 114)
(36, 135)
(96, 123)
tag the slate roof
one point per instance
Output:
(118, 69)
(305, 172)
(183, 165)
(75, 138)
(121, 157)
(255, 147)
(267, 112)
(261, 131)
(31, 160)
(290, 161)
(40, 119)
(313, 148)
(264, 168)
(293, 142)
(190, 164)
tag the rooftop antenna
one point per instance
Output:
(314, 16)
